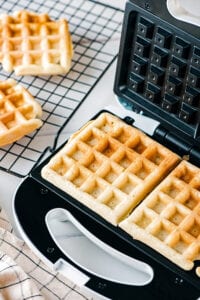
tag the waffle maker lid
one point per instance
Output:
(158, 74)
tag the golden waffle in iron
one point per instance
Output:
(168, 220)
(109, 166)
(19, 112)
(33, 44)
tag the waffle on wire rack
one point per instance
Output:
(168, 220)
(95, 30)
(109, 166)
(19, 112)
(33, 44)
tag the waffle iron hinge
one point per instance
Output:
(182, 147)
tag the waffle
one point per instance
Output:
(168, 220)
(19, 112)
(109, 166)
(33, 44)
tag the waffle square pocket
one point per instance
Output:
(33, 44)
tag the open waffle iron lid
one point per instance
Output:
(158, 73)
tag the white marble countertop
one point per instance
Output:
(9, 183)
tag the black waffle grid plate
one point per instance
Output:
(95, 30)
(162, 73)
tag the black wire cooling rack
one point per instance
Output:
(95, 29)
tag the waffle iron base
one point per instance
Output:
(33, 200)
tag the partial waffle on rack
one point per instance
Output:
(109, 166)
(19, 113)
(168, 220)
(33, 44)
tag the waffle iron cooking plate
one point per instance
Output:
(157, 75)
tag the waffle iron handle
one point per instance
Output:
(85, 250)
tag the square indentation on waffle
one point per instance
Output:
(19, 113)
(168, 220)
(109, 166)
(33, 44)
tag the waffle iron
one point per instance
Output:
(158, 77)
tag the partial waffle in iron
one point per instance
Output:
(33, 44)
(109, 166)
(168, 220)
(19, 113)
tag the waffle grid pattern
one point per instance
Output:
(95, 30)
(109, 166)
(163, 69)
(34, 44)
(169, 218)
